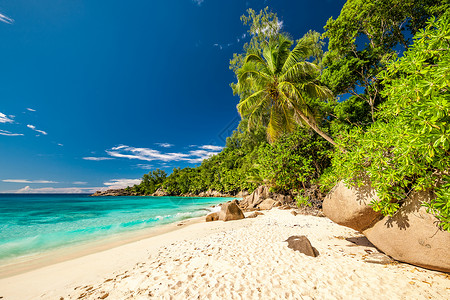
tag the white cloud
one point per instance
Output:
(211, 147)
(146, 154)
(121, 183)
(30, 109)
(5, 19)
(79, 182)
(198, 2)
(273, 30)
(32, 127)
(51, 190)
(164, 145)
(60, 144)
(97, 158)
(5, 119)
(144, 166)
(8, 133)
(27, 181)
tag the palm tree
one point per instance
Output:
(274, 87)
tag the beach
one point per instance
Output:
(244, 259)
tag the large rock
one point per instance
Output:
(242, 194)
(302, 244)
(160, 193)
(350, 206)
(230, 211)
(212, 217)
(412, 235)
(266, 204)
(254, 199)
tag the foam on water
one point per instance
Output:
(33, 224)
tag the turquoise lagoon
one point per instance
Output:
(36, 224)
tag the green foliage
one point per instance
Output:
(293, 161)
(365, 36)
(150, 182)
(228, 172)
(302, 201)
(408, 147)
(263, 28)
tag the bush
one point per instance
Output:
(294, 161)
(407, 148)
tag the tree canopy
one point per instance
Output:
(408, 148)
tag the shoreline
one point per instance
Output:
(246, 258)
(32, 262)
(25, 263)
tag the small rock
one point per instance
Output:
(294, 212)
(212, 217)
(255, 214)
(302, 244)
(104, 296)
(284, 207)
(378, 258)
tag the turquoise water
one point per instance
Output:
(33, 224)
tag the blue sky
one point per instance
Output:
(94, 94)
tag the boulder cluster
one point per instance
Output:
(260, 199)
(411, 235)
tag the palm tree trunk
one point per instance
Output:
(317, 129)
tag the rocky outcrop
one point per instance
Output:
(230, 211)
(255, 199)
(266, 204)
(302, 244)
(212, 217)
(113, 192)
(210, 193)
(242, 194)
(412, 235)
(160, 192)
(350, 206)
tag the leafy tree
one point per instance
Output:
(150, 182)
(263, 28)
(408, 147)
(365, 36)
(294, 161)
(275, 84)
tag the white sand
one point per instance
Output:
(246, 259)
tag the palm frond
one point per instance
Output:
(301, 71)
(296, 55)
(246, 106)
(283, 50)
(318, 91)
(268, 54)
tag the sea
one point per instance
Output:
(35, 224)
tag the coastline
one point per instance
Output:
(33, 262)
(246, 258)
(112, 229)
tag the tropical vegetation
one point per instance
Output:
(374, 107)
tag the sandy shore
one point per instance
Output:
(245, 259)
